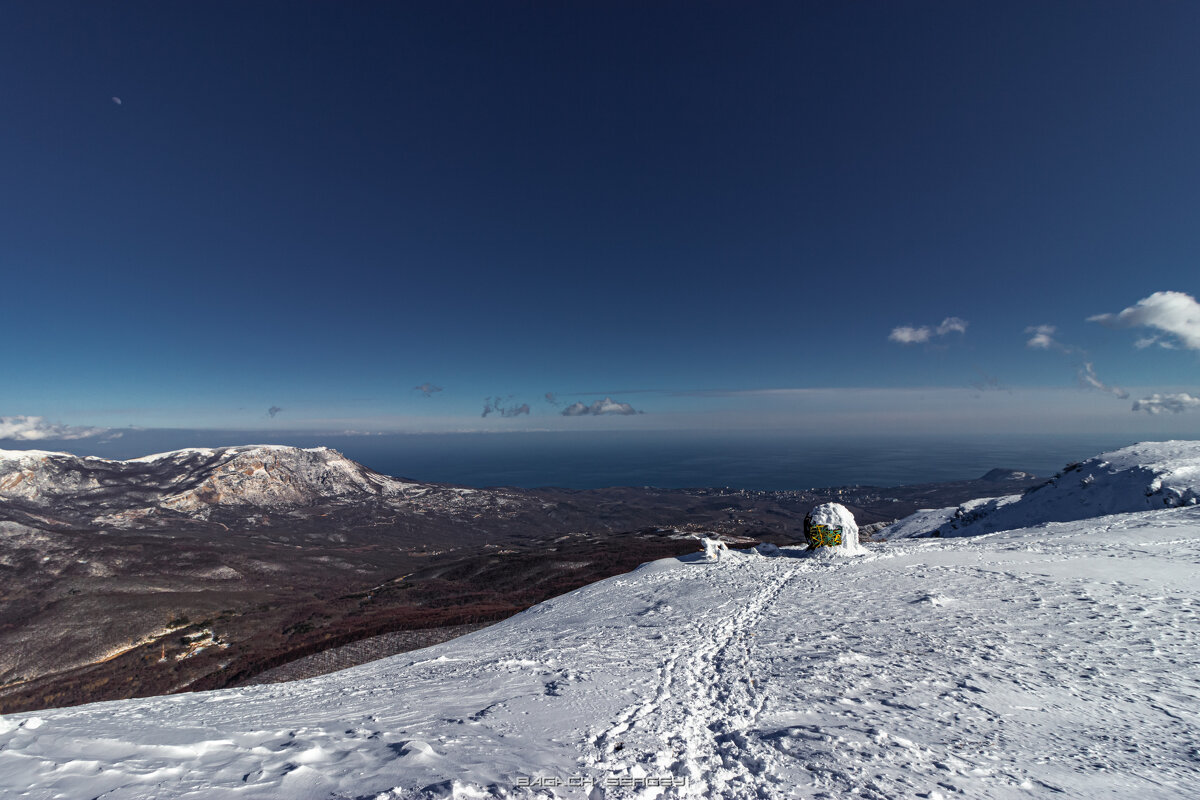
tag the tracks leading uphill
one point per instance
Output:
(689, 732)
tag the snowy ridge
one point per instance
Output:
(249, 474)
(1144, 476)
(195, 481)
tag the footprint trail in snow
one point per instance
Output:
(1056, 661)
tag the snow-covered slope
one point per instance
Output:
(250, 475)
(1060, 661)
(1140, 477)
(198, 481)
(1056, 660)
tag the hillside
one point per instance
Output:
(1052, 660)
(232, 561)
(1141, 477)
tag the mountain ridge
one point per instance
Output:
(199, 483)
(1141, 477)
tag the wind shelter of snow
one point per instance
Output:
(836, 515)
(1141, 477)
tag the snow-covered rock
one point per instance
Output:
(836, 517)
(1141, 477)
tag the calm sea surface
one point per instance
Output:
(676, 460)
(668, 460)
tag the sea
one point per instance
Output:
(681, 460)
(669, 459)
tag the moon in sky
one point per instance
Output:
(117, 100)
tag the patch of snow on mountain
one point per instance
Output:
(932, 521)
(1149, 475)
(33, 455)
(206, 452)
(195, 481)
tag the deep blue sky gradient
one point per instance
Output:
(319, 206)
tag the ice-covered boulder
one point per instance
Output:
(830, 528)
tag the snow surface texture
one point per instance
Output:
(836, 515)
(1059, 660)
(1140, 477)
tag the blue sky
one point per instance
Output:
(728, 216)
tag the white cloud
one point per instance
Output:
(1173, 313)
(1088, 377)
(1043, 337)
(907, 334)
(1167, 403)
(1149, 341)
(605, 406)
(952, 325)
(31, 429)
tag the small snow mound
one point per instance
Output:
(837, 518)
(713, 548)
(766, 549)
(416, 749)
